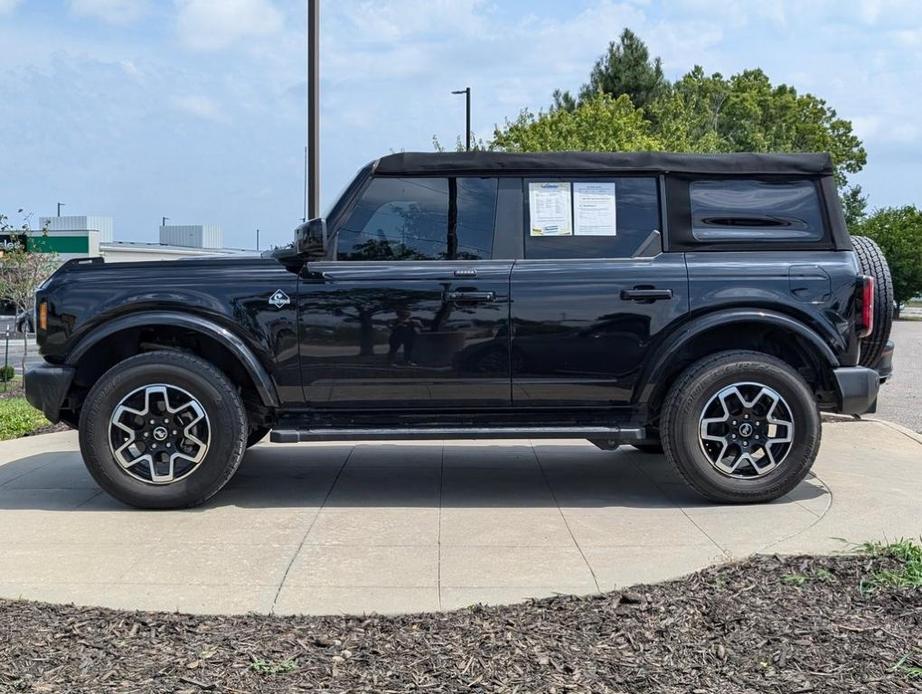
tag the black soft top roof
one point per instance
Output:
(432, 163)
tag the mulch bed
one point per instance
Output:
(791, 625)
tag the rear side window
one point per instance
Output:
(590, 218)
(421, 219)
(754, 210)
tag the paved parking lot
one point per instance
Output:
(412, 527)
(901, 399)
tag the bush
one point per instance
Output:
(18, 417)
(7, 373)
(898, 232)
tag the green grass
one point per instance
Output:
(819, 575)
(910, 665)
(270, 667)
(17, 417)
(908, 573)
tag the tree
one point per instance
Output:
(854, 206)
(625, 68)
(23, 266)
(602, 123)
(746, 113)
(628, 104)
(898, 232)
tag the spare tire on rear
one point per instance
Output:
(872, 262)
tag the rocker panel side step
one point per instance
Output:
(620, 434)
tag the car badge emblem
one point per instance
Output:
(279, 299)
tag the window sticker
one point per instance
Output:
(551, 209)
(594, 209)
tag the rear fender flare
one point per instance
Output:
(650, 380)
(231, 341)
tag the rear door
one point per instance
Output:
(594, 292)
(413, 313)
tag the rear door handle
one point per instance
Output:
(646, 294)
(470, 297)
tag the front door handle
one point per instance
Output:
(470, 297)
(646, 294)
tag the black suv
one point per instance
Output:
(706, 306)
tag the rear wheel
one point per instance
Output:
(163, 430)
(741, 427)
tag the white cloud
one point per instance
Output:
(216, 24)
(8, 5)
(111, 11)
(200, 106)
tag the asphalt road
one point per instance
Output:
(901, 397)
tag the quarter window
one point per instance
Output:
(421, 219)
(752, 210)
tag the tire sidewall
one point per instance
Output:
(685, 432)
(226, 427)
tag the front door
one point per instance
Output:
(413, 313)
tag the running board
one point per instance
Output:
(618, 434)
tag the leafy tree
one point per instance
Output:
(854, 206)
(898, 232)
(23, 266)
(602, 123)
(746, 113)
(628, 105)
(626, 68)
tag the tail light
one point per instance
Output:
(866, 306)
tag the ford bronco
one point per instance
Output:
(708, 307)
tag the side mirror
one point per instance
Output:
(311, 238)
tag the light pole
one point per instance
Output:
(313, 108)
(60, 205)
(467, 97)
(163, 221)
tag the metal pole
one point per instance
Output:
(164, 221)
(467, 112)
(468, 99)
(304, 216)
(60, 205)
(313, 107)
(6, 356)
(257, 239)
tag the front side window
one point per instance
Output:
(590, 218)
(421, 219)
(753, 210)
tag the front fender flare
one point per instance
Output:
(682, 336)
(231, 341)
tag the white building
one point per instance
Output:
(89, 236)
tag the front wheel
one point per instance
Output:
(163, 430)
(741, 427)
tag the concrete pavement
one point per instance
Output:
(424, 526)
(900, 399)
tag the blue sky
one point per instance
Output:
(194, 109)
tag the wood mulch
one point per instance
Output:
(791, 625)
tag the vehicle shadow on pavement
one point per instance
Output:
(395, 475)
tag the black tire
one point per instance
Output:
(651, 447)
(872, 262)
(256, 435)
(686, 402)
(218, 398)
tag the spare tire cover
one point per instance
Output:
(872, 262)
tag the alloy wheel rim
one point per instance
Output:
(159, 434)
(746, 430)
